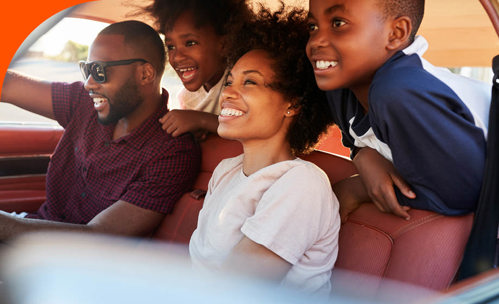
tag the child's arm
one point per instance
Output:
(178, 122)
(351, 193)
(379, 177)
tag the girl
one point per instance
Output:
(194, 36)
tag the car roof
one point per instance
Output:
(459, 32)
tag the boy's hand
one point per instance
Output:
(379, 177)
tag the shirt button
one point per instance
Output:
(83, 194)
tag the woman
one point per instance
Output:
(268, 212)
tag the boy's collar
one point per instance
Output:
(419, 46)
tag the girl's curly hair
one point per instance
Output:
(217, 13)
(283, 35)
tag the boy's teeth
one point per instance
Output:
(322, 64)
(230, 112)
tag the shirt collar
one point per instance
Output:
(419, 46)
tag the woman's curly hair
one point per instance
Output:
(283, 35)
(219, 14)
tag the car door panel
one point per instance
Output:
(24, 156)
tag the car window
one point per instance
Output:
(55, 57)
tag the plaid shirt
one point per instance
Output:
(89, 171)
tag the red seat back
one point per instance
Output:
(425, 250)
(181, 223)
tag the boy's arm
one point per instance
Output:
(178, 122)
(379, 177)
(28, 93)
(351, 193)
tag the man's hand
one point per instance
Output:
(121, 218)
(178, 122)
(379, 177)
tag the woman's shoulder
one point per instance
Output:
(306, 172)
(229, 164)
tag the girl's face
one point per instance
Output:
(195, 53)
(251, 109)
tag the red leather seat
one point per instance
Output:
(178, 226)
(424, 251)
(181, 223)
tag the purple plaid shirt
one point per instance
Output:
(89, 171)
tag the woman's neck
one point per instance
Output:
(258, 155)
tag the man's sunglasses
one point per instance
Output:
(98, 68)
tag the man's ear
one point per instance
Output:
(147, 73)
(400, 33)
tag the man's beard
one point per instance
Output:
(126, 100)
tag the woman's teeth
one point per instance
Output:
(322, 64)
(231, 112)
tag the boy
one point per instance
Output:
(428, 124)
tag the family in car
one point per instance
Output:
(274, 81)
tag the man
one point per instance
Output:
(115, 170)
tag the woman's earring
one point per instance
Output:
(288, 112)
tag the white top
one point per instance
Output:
(287, 207)
(201, 100)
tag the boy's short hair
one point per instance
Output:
(414, 9)
(283, 35)
(142, 37)
(216, 13)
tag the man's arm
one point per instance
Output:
(28, 93)
(121, 218)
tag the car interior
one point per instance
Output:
(425, 251)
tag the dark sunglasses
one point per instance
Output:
(98, 68)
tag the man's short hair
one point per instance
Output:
(414, 9)
(141, 36)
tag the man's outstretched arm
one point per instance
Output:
(28, 93)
